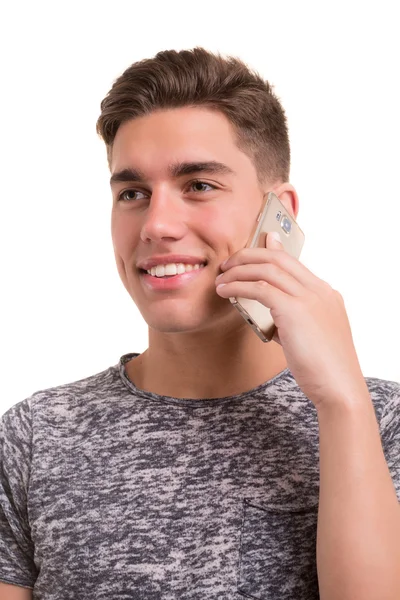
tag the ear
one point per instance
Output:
(288, 196)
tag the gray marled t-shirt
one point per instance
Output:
(109, 492)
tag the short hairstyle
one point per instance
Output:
(199, 78)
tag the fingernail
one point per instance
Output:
(275, 236)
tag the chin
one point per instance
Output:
(193, 320)
(177, 324)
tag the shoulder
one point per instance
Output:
(54, 400)
(385, 395)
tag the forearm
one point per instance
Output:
(358, 537)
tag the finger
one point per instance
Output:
(261, 291)
(273, 241)
(268, 272)
(278, 257)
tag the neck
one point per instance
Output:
(205, 365)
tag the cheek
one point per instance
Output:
(124, 236)
(227, 230)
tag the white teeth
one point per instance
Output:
(173, 269)
(170, 269)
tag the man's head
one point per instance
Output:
(162, 121)
(197, 77)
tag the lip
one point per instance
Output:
(170, 283)
(165, 259)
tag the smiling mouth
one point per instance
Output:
(169, 283)
(179, 271)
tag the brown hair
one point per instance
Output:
(198, 77)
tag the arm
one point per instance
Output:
(358, 537)
(16, 546)
(14, 592)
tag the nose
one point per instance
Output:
(164, 218)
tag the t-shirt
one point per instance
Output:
(108, 491)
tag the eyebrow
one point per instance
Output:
(174, 170)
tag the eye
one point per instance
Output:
(123, 196)
(198, 183)
(131, 195)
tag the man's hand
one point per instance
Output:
(312, 324)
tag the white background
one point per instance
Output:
(65, 314)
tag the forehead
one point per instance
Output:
(165, 136)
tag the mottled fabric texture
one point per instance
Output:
(109, 492)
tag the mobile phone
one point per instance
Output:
(273, 217)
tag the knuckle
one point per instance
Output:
(262, 284)
(326, 289)
(338, 296)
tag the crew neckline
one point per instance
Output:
(195, 402)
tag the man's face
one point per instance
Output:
(170, 218)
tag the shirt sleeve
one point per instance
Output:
(16, 547)
(390, 435)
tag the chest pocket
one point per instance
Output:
(278, 553)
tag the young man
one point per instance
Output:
(212, 466)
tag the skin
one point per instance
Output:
(192, 331)
(14, 592)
